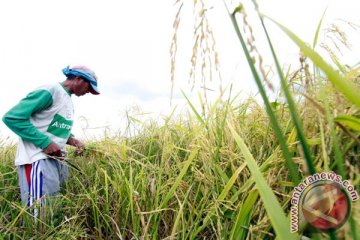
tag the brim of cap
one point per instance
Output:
(94, 90)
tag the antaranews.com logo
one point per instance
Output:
(323, 200)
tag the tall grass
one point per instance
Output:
(183, 180)
(342, 84)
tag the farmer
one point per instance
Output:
(43, 121)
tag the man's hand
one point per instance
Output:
(76, 143)
(53, 150)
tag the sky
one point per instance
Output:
(127, 44)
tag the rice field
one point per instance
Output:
(225, 173)
(189, 178)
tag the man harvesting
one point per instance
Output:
(43, 121)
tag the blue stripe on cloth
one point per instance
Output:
(32, 184)
(36, 184)
(41, 184)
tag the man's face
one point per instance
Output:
(81, 86)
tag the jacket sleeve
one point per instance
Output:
(18, 117)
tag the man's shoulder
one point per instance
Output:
(52, 88)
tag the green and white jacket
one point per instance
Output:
(43, 116)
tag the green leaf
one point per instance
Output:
(201, 120)
(273, 208)
(231, 182)
(293, 169)
(313, 141)
(241, 225)
(179, 178)
(347, 88)
(349, 121)
(318, 29)
(274, 105)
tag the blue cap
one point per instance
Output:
(84, 72)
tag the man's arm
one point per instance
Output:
(18, 118)
(76, 143)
